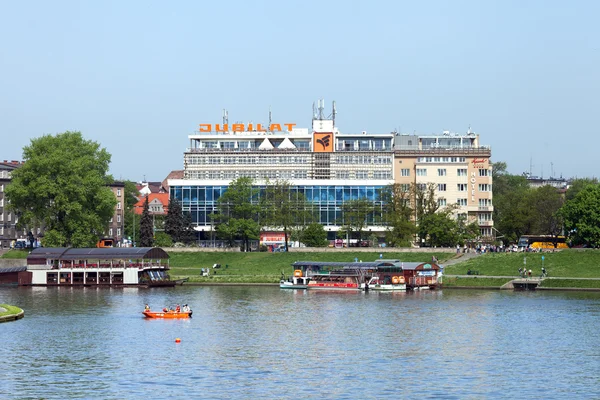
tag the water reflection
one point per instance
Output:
(271, 343)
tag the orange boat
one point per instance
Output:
(168, 314)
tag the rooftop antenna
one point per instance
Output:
(270, 119)
(333, 113)
(321, 107)
(225, 117)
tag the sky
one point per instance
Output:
(139, 76)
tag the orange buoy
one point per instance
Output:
(177, 340)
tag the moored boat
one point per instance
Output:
(296, 281)
(387, 283)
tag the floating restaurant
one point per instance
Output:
(385, 275)
(116, 266)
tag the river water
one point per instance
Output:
(263, 342)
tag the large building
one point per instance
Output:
(8, 219)
(326, 166)
(458, 166)
(330, 168)
(116, 225)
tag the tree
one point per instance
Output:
(174, 226)
(356, 214)
(283, 208)
(397, 214)
(146, 227)
(314, 235)
(511, 205)
(132, 229)
(163, 240)
(63, 187)
(581, 217)
(239, 213)
(545, 202)
(577, 185)
(440, 228)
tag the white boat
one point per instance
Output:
(393, 283)
(296, 281)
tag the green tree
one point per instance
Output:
(356, 215)
(146, 227)
(163, 240)
(545, 202)
(132, 222)
(174, 224)
(577, 184)
(63, 187)
(581, 216)
(511, 204)
(239, 213)
(440, 228)
(284, 208)
(314, 235)
(398, 215)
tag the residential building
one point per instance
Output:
(458, 166)
(116, 225)
(8, 218)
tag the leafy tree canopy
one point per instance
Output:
(314, 235)
(581, 216)
(62, 186)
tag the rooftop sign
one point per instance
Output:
(244, 127)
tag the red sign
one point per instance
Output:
(478, 162)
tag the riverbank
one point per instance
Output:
(10, 313)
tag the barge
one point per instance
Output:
(113, 266)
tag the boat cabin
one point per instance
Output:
(421, 275)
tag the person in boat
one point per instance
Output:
(177, 308)
(147, 308)
(186, 308)
(165, 309)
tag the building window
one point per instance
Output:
(484, 217)
(441, 202)
(484, 172)
(405, 172)
(119, 192)
(485, 202)
(484, 187)
(441, 187)
(461, 172)
(421, 171)
(9, 217)
(111, 220)
(110, 232)
(119, 205)
(441, 171)
(118, 232)
(462, 187)
(461, 202)
(405, 187)
(119, 218)
(2, 188)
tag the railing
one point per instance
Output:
(476, 151)
(422, 280)
(485, 223)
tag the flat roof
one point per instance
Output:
(107, 253)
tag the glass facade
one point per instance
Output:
(325, 201)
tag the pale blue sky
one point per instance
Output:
(139, 76)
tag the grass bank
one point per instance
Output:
(10, 310)
(450, 282)
(15, 254)
(571, 283)
(268, 267)
(565, 263)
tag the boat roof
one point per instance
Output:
(341, 264)
(411, 266)
(106, 253)
(12, 269)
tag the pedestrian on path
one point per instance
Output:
(530, 273)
